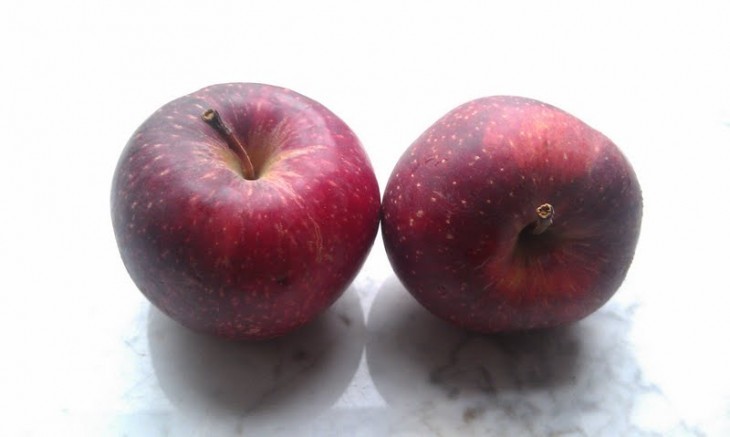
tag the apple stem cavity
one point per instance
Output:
(213, 118)
(545, 214)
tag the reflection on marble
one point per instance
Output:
(224, 387)
(580, 380)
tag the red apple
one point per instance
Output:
(244, 210)
(510, 214)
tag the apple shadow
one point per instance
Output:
(531, 379)
(283, 380)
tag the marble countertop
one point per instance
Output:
(405, 372)
(85, 354)
(377, 364)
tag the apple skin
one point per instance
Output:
(240, 258)
(460, 207)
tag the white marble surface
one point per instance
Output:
(85, 354)
(405, 373)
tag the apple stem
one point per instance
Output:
(545, 213)
(213, 118)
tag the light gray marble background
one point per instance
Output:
(409, 373)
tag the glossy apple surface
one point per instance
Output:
(510, 214)
(244, 253)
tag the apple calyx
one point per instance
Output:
(545, 213)
(214, 120)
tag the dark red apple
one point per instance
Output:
(244, 210)
(510, 214)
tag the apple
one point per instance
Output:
(509, 214)
(244, 210)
